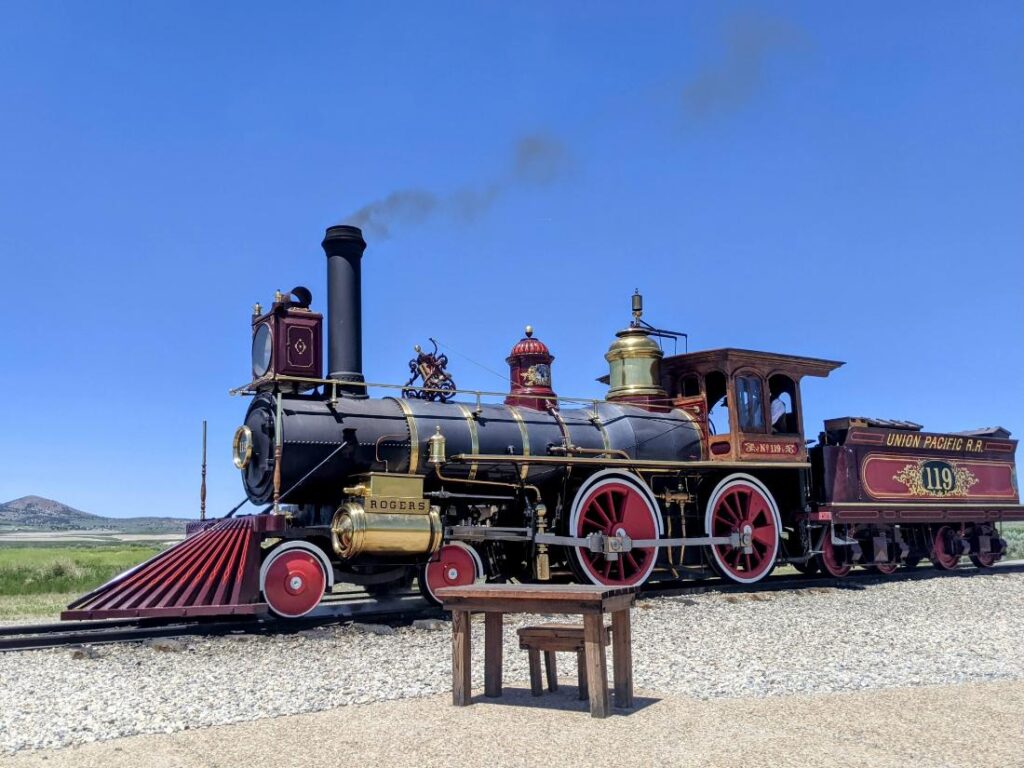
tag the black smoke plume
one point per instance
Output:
(536, 160)
(749, 42)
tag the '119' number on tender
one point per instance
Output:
(938, 477)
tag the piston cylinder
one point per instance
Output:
(354, 532)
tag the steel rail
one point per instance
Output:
(402, 607)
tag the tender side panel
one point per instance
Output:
(898, 475)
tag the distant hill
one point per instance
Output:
(34, 513)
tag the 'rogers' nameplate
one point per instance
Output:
(397, 504)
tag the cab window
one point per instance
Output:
(782, 399)
(689, 385)
(750, 404)
(718, 404)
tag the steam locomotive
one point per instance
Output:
(691, 464)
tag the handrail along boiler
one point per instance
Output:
(433, 482)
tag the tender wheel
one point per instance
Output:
(741, 504)
(615, 503)
(984, 561)
(832, 559)
(987, 559)
(453, 565)
(293, 579)
(944, 555)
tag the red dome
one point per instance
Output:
(529, 373)
(528, 346)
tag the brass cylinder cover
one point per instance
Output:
(354, 532)
(634, 365)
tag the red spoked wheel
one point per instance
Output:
(615, 503)
(293, 579)
(741, 504)
(945, 556)
(833, 560)
(454, 565)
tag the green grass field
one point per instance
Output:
(41, 580)
(1014, 535)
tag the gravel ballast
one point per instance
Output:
(816, 640)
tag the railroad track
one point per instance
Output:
(339, 608)
(858, 579)
(404, 607)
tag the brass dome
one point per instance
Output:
(634, 365)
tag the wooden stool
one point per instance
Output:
(552, 638)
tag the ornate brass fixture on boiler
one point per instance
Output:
(392, 518)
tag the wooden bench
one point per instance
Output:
(592, 602)
(553, 638)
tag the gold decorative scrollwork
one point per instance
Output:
(928, 477)
(435, 382)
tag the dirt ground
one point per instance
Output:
(969, 725)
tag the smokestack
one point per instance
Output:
(344, 246)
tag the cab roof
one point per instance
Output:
(730, 359)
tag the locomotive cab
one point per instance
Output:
(747, 403)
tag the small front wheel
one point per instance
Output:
(454, 565)
(293, 579)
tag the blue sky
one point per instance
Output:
(834, 180)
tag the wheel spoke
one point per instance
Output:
(614, 510)
(759, 515)
(737, 513)
(764, 535)
(632, 561)
(743, 502)
(726, 514)
(595, 507)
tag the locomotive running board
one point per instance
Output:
(214, 572)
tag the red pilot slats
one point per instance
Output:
(214, 571)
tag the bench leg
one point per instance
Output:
(622, 656)
(581, 674)
(492, 654)
(597, 664)
(462, 687)
(552, 670)
(536, 687)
